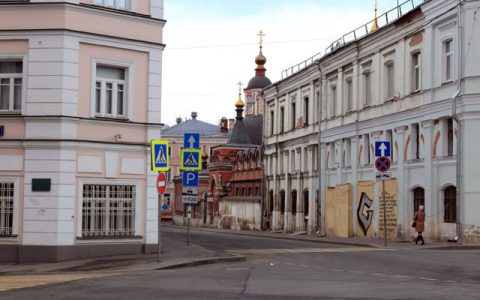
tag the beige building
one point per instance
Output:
(80, 97)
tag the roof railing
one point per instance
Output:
(362, 31)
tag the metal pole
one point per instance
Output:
(188, 224)
(159, 228)
(384, 211)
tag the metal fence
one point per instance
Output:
(360, 32)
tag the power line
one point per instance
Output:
(245, 44)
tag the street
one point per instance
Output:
(279, 269)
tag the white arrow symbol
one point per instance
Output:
(382, 148)
(191, 141)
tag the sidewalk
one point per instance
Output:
(354, 241)
(175, 253)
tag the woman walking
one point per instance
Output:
(419, 218)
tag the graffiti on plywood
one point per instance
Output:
(364, 207)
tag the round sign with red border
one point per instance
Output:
(161, 183)
(383, 164)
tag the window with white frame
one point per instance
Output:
(349, 93)
(110, 92)
(367, 88)
(108, 211)
(390, 80)
(7, 193)
(333, 100)
(117, 4)
(11, 85)
(416, 68)
(447, 60)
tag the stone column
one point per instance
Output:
(431, 205)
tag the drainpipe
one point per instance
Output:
(458, 121)
(320, 227)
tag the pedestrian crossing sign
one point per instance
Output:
(160, 156)
(191, 159)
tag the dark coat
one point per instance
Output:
(419, 217)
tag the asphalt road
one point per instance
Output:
(278, 269)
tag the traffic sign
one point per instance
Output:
(191, 141)
(161, 183)
(160, 156)
(382, 148)
(189, 199)
(190, 190)
(190, 178)
(382, 164)
(191, 159)
(165, 207)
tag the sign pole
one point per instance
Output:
(159, 227)
(384, 212)
(189, 214)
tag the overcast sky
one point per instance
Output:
(212, 45)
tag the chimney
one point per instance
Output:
(231, 123)
(194, 115)
(179, 120)
(224, 124)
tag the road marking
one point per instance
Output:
(379, 274)
(304, 266)
(337, 270)
(303, 250)
(401, 276)
(10, 282)
(429, 279)
(237, 269)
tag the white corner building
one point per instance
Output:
(80, 96)
(414, 82)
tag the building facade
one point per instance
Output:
(413, 82)
(79, 104)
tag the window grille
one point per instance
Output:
(108, 211)
(6, 208)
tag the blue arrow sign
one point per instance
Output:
(191, 141)
(165, 207)
(382, 148)
(190, 178)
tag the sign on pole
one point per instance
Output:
(161, 183)
(160, 156)
(191, 159)
(382, 148)
(191, 141)
(383, 164)
(190, 178)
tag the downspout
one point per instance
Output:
(458, 121)
(320, 227)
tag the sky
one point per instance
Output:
(212, 45)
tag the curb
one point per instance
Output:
(204, 261)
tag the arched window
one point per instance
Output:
(305, 202)
(249, 193)
(257, 191)
(450, 205)
(294, 202)
(418, 198)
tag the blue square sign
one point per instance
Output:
(382, 148)
(190, 178)
(191, 141)
(191, 159)
(160, 156)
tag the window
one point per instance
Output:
(347, 162)
(272, 120)
(450, 205)
(367, 88)
(366, 149)
(416, 71)
(110, 94)
(108, 211)
(450, 137)
(333, 101)
(11, 85)
(294, 202)
(305, 111)
(294, 115)
(118, 4)
(448, 60)
(418, 198)
(349, 94)
(6, 208)
(305, 203)
(282, 201)
(416, 141)
(282, 119)
(390, 80)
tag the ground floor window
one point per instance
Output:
(108, 211)
(6, 208)
(450, 205)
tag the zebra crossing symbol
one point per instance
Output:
(191, 159)
(160, 156)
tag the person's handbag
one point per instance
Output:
(414, 224)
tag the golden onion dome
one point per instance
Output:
(239, 103)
